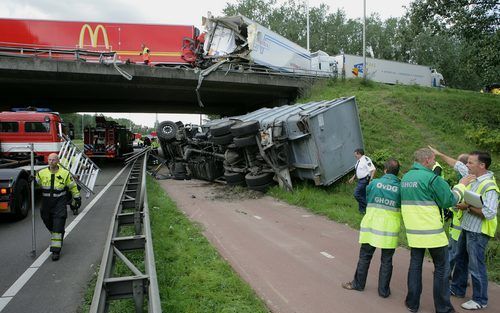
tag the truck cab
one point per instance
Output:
(21, 127)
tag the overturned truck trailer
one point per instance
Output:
(313, 141)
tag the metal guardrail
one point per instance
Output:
(76, 54)
(131, 210)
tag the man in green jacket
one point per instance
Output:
(424, 196)
(379, 229)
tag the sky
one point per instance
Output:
(165, 12)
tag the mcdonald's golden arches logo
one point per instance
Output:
(94, 35)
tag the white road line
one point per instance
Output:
(325, 254)
(257, 217)
(25, 277)
(306, 215)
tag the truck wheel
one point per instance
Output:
(245, 141)
(222, 128)
(262, 188)
(258, 179)
(234, 179)
(22, 197)
(222, 140)
(167, 130)
(245, 128)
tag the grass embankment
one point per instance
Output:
(396, 121)
(192, 276)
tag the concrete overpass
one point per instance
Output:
(78, 86)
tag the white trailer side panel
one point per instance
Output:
(273, 50)
(384, 71)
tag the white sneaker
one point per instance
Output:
(473, 305)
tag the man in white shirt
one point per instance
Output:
(365, 172)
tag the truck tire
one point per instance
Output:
(22, 198)
(262, 188)
(258, 179)
(222, 140)
(245, 128)
(222, 128)
(167, 130)
(245, 141)
(234, 179)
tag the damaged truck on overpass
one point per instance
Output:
(310, 141)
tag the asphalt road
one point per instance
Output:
(56, 286)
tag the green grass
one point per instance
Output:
(396, 121)
(192, 276)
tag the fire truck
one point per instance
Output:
(168, 44)
(107, 139)
(18, 130)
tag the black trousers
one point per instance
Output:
(54, 214)
(385, 272)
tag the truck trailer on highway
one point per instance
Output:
(389, 72)
(169, 44)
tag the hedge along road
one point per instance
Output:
(294, 260)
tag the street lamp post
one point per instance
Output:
(307, 14)
(364, 39)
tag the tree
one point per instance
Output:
(472, 26)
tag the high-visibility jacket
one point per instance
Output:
(155, 144)
(422, 195)
(438, 165)
(455, 228)
(54, 185)
(145, 54)
(488, 227)
(382, 222)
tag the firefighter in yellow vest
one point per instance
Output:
(379, 229)
(55, 183)
(145, 54)
(424, 196)
(478, 226)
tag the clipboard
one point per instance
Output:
(473, 199)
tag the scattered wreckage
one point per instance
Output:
(311, 141)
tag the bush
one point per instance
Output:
(487, 139)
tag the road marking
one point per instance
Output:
(306, 215)
(25, 277)
(257, 217)
(325, 254)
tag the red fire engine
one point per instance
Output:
(107, 139)
(168, 44)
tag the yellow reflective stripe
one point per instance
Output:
(56, 240)
(164, 54)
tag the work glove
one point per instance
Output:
(77, 203)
